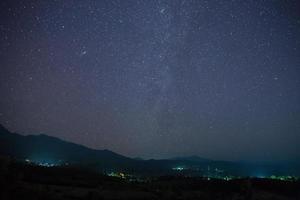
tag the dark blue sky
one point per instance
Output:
(155, 79)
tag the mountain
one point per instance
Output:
(51, 150)
(47, 149)
(138, 158)
(43, 148)
(195, 159)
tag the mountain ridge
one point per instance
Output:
(48, 149)
(43, 147)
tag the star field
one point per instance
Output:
(155, 79)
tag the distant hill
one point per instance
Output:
(192, 159)
(47, 149)
(138, 158)
(43, 148)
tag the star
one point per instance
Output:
(83, 53)
(162, 10)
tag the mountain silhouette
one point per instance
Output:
(195, 159)
(43, 148)
(47, 149)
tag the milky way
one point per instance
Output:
(155, 79)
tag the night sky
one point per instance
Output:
(155, 78)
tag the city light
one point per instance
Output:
(178, 168)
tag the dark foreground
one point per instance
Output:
(20, 181)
